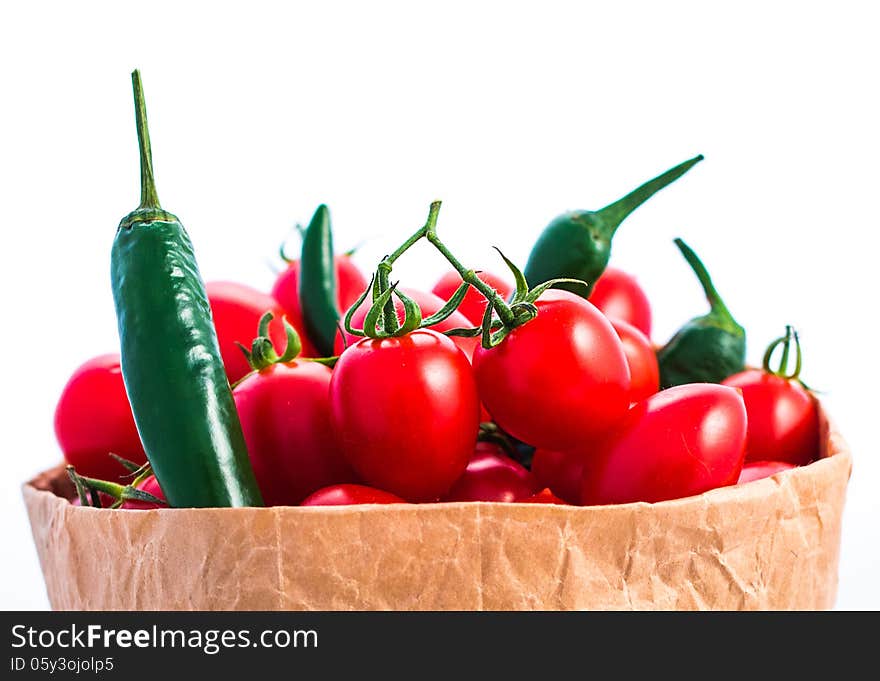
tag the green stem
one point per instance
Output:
(149, 196)
(506, 315)
(715, 301)
(390, 322)
(615, 213)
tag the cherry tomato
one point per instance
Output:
(93, 418)
(558, 379)
(350, 283)
(642, 360)
(755, 470)
(347, 495)
(491, 476)
(429, 304)
(406, 412)
(237, 309)
(151, 486)
(560, 471)
(783, 418)
(545, 496)
(619, 295)
(679, 442)
(285, 416)
(474, 304)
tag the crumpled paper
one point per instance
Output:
(770, 544)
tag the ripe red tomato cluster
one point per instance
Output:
(398, 419)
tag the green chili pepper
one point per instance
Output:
(577, 245)
(171, 363)
(317, 283)
(707, 349)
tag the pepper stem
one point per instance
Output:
(715, 301)
(149, 196)
(615, 213)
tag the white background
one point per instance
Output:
(510, 114)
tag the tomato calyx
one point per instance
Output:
(263, 354)
(785, 342)
(89, 490)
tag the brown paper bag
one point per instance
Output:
(769, 544)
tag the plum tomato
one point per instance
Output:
(545, 496)
(679, 442)
(644, 371)
(783, 417)
(285, 416)
(560, 471)
(406, 412)
(558, 379)
(474, 304)
(491, 476)
(619, 295)
(756, 470)
(350, 283)
(350, 494)
(236, 309)
(93, 418)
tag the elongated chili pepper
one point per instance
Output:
(707, 349)
(171, 363)
(317, 283)
(577, 245)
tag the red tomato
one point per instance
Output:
(560, 378)
(350, 283)
(406, 412)
(560, 471)
(642, 360)
(680, 442)
(237, 309)
(474, 304)
(545, 496)
(151, 486)
(347, 495)
(619, 295)
(93, 418)
(756, 470)
(429, 304)
(783, 418)
(285, 415)
(491, 476)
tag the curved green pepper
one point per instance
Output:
(171, 363)
(707, 349)
(317, 283)
(577, 245)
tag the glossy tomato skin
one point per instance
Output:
(619, 295)
(560, 471)
(406, 412)
(429, 304)
(644, 370)
(349, 494)
(350, 283)
(680, 442)
(236, 309)
(491, 476)
(93, 418)
(783, 418)
(558, 379)
(285, 416)
(474, 304)
(151, 486)
(545, 496)
(756, 470)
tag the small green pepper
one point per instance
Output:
(317, 283)
(707, 349)
(171, 365)
(577, 245)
